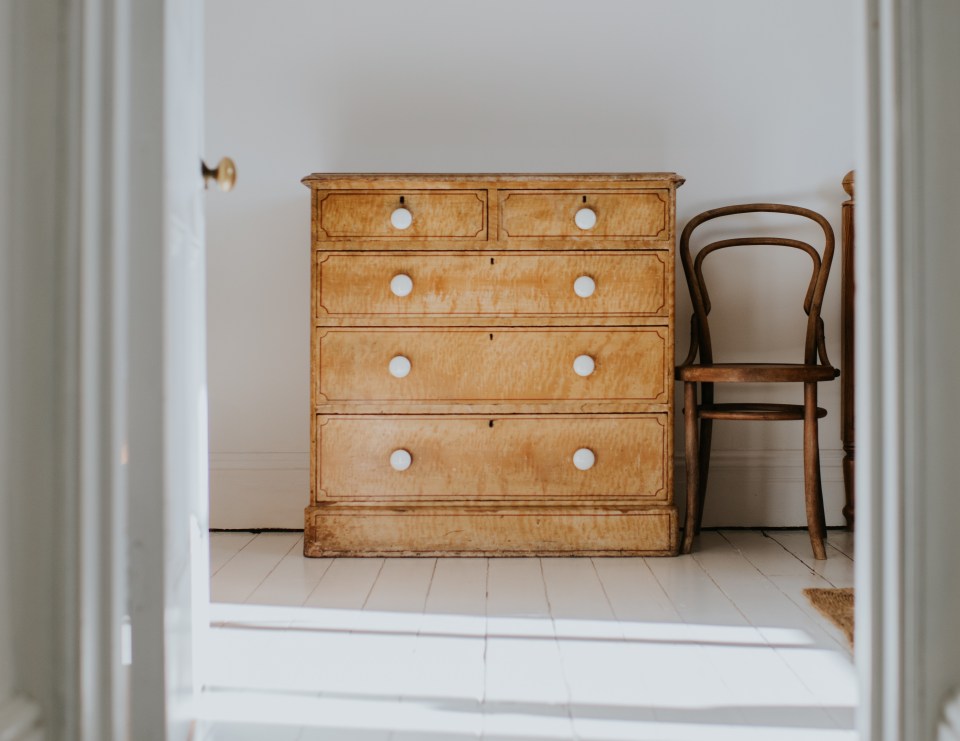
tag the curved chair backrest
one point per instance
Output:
(693, 270)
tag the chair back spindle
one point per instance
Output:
(701, 343)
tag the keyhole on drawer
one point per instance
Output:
(401, 199)
(584, 199)
(491, 261)
(491, 423)
(491, 337)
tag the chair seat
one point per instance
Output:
(744, 411)
(756, 373)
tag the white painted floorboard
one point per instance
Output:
(240, 576)
(718, 645)
(225, 546)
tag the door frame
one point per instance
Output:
(907, 654)
(879, 388)
(114, 242)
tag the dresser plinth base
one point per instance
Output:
(378, 530)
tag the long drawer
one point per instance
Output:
(472, 458)
(492, 364)
(391, 284)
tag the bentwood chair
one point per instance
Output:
(702, 373)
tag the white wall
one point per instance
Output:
(749, 100)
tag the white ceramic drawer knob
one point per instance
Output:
(584, 459)
(401, 218)
(399, 366)
(401, 285)
(583, 365)
(586, 218)
(400, 460)
(584, 286)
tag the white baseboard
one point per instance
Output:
(950, 725)
(258, 490)
(20, 720)
(747, 488)
(764, 488)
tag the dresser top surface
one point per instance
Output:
(395, 179)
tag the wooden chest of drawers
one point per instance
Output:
(492, 363)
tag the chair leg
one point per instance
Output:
(823, 516)
(811, 472)
(706, 438)
(693, 464)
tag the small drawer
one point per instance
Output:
(471, 458)
(629, 215)
(401, 215)
(574, 284)
(493, 364)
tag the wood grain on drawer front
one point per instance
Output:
(469, 284)
(470, 458)
(493, 364)
(620, 214)
(450, 214)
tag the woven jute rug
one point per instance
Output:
(836, 605)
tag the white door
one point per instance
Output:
(168, 398)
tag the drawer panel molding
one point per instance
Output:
(636, 284)
(473, 458)
(492, 364)
(611, 214)
(428, 215)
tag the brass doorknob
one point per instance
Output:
(225, 174)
